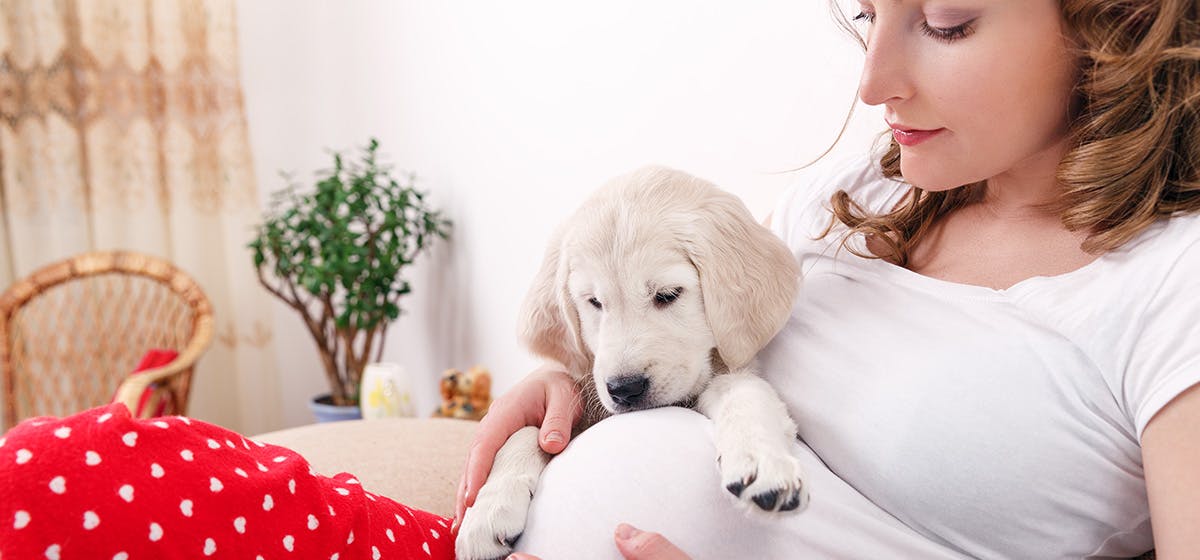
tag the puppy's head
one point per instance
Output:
(659, 281)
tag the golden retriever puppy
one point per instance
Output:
(658, 291)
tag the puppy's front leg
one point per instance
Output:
(755, 438)
(491, 526)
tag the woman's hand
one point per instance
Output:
(635, 544)
(548, 398)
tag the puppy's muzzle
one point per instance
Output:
(628, 390)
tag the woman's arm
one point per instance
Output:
(1171, 458)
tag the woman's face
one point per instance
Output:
(972, 89)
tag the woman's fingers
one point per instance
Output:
(563, 409)
(494, 429)
(636, 544)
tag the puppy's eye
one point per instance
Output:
(667, 297)
(595, 303)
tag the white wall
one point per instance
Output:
(513, 111)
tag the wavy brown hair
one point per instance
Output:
(1134, 154)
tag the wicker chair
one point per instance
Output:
(71, 333)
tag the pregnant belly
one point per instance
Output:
(657, 470)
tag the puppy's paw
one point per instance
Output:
(492, 526)
(768, 478)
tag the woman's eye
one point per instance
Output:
(947, 34)
(667, 297)
(595, 303)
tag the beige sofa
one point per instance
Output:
(416, 461)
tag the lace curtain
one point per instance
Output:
(122, 126)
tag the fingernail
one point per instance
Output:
(554, 437)
(626, 532)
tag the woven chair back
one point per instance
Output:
(74, 330)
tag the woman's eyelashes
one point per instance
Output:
(948, 34)
(944, 34)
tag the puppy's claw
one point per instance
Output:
(735, 488)
(767, 500)
(510, 542)
(792, 503)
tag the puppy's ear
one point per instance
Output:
(548, 322)
(748, 277)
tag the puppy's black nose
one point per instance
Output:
(628, 390)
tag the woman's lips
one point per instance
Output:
(912, 137)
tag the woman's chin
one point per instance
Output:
(931, 175)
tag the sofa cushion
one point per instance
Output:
(415, 461)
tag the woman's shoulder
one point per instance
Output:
(804, 208)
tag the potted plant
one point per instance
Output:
(336, 253)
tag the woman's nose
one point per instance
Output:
(886, 70)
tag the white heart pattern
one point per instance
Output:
(58, 485)
(126, 493)
(130, 438)
(156, 532)
(121, 556)
(156, 470)
(239, 525)
(104, 418)
(185, 507)
(90, 520)
(92, 459)
(374, 553)
(23, 456)
(292, 485)
(21, 520)
(186, 454)
(215, 485)
(212, 444)
(391, 536)
(210, 547)
(400, 520)
(425, 547)
(63, 432)
(53, 551)
(288, 542)
(268, 502)
(312, 522)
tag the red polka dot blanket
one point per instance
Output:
(103, 485)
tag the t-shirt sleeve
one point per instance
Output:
(1165, 360)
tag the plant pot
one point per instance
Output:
(323, 408)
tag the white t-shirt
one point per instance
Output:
(999, 423)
